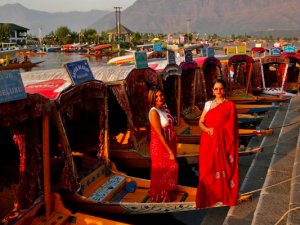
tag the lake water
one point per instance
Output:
(58, 59)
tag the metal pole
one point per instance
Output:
(117, 22)
(188, 29)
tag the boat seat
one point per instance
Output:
(121, 141)
(107, 190)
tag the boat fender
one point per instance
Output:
(130, 187)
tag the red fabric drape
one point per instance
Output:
(30, 186)
(164, 172)
(218, 158)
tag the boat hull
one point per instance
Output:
(20, 65)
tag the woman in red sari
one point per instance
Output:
(218, 151)
(164, 167)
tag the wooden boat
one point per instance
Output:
(258, 51)
(77, 47)
(103, 189)
(192, 117)
(32, 53)
(99, 51)
(128, 136)
(118, 193)
(125, 59)
(191, 134)
(24, 140)
(25, 196)
(293, 71)
(237, 72)
(271, 76)
(7, 64)
(255, 108)
(182, 91)
(23, 65)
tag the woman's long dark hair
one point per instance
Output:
(151, 95)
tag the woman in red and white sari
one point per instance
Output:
(218, 151)
(164, 167)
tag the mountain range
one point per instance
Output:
(222, 17)
(34, 19)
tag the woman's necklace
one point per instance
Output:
(218, 103)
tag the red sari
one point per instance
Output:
(218, 158)
(164, 172)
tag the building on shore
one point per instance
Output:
(18, 33)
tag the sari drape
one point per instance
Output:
(218, 158)
(164, 171)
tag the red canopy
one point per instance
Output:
(258, 49)
(49, 89)
(100, 47)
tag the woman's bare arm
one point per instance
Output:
(206, 129)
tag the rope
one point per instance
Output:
(288, 211)
(286, 125)
(285, 214)
(273, 185)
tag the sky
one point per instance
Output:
(71, 5)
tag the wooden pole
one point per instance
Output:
(46, 167)
(249, 76)
(65, 143)
(178, 100)
(284, 77)
(194, 90)
(106, 150)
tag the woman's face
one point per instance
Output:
(218, 90)
(159, 99)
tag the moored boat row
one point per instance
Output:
(107, 117)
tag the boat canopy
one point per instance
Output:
(105, 74)
(100, 47)
(240, 58)
(258, 49)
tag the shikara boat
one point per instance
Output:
(292, 80)
(99, 51)
(118, 193)
(32, 53)
(271, 76)
(24, 65)
(191, 134)
(237, 72)
(103, 189)
(258, 51)
(192, 117)
(24, 121)
(125, 59)
(255, 108)
(34, 200)
(128, 135)
(182, 92)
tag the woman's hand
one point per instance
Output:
(210, 131)
(171, 155)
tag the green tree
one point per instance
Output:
(88, 35)
(104, 37)
(5, 31)
(64, 35)
(136, 38)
